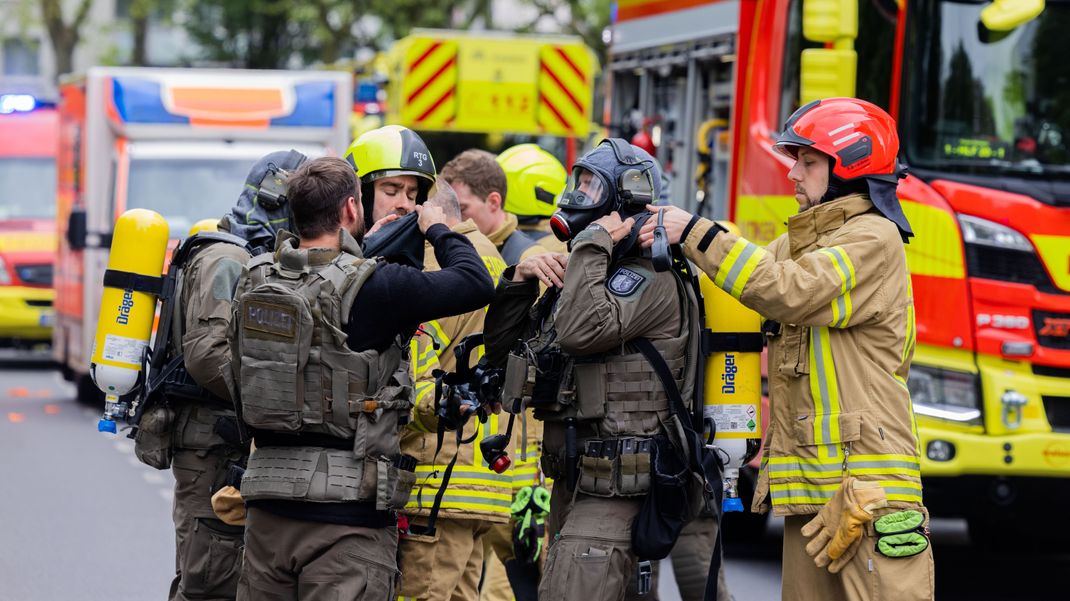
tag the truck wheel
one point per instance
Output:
(88, 393)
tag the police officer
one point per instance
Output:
(535, 178)
(322, 337)
(486, 200)
(202, 440)
(603, 406)
(841, 455)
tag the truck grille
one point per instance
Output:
(1007, 266)
(35, 275)
(1057, 408)
(1051, 372)
(1053, 329)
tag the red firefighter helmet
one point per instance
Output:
(859, 136)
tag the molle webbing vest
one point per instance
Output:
(613, 397)
(326, 419)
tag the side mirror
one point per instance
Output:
(825, 73)
(1005, 15)
(77, 229)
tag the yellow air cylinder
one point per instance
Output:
(204, 225)
(733, 382)
(127, 307)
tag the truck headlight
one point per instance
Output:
(5, 275)
(997, 252)
(945, 394)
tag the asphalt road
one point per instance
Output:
(81, 519)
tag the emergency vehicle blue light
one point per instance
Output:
(139, 100)
(16, 103)
(314, 106)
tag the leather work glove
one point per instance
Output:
(836, 532)
(229, 506)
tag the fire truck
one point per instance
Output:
(178, 142)
(29, 126)
(981, 92)
(491, 90)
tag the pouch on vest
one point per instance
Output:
(667, 508)
(275, 329)
(153, 443)
(553, 379)
(519, 379)
(590, 381)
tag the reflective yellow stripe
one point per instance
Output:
(805, 493)
(799, 467)
(435, 331)
(422, 390)
(423, 361)
(737, 267)
(825, 391)
(470, 500)
(841, 305)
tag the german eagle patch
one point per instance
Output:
(624, 282)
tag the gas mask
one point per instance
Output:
(615, 176)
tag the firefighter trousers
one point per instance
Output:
(869, 576)
(446, 566)
(208, 552)
(298, 560)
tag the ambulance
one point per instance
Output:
(29, 126)
(175, 141)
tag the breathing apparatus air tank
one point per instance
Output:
(733, 381)
(127, 308)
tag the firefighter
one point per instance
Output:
(841, 455)
(535, 178)
(321, 341)
(191, 424)
(483, 192)
(396, 172)
(447, 563)
(597, 341)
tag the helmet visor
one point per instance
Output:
(585, 190)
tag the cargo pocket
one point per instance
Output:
(584, 569)
(418, 566)
(598, 476)
(393, 485)
(896, 578)
(794, 351)
(213, 560)
(828, 429)
(155, 435)
(372, 579)
(590, 381)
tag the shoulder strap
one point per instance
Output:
(515, 245)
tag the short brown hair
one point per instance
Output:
(477, 169)
(316, 191)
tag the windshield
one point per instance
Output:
(186, 191)
(27, 188)
(989, 102)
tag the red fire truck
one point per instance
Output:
(981, 91)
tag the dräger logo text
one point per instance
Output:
(124, 308)
(729, 375)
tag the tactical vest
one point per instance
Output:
(515, 245)
(326, 419)
(616, 399)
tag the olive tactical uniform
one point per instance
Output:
(208, 551)
(612, 394)
(325, 421)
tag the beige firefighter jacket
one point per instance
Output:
(510, 225)
(474, 490)
(838, 283)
